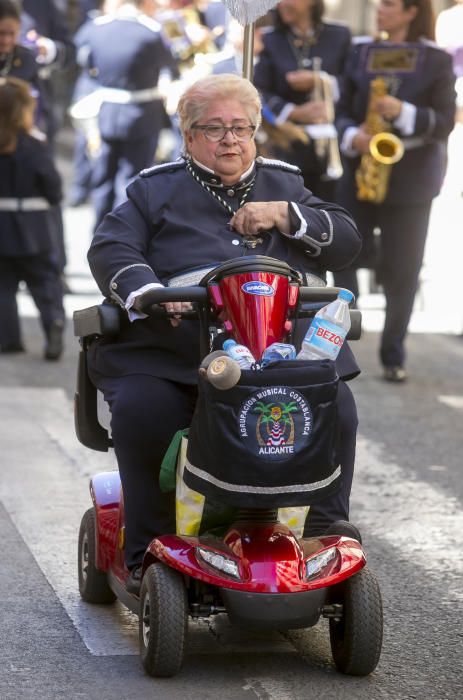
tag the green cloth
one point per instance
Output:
(167, 474)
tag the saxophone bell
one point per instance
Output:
(386, 148)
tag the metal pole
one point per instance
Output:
(248, 51)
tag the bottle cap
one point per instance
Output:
(229, 343)
(345, 295)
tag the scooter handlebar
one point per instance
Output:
(161, 295)
(318, 294)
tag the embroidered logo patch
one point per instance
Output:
(275, 422)
(261, 289)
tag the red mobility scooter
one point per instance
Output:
(252, 567)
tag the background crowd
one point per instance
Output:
(113, 71)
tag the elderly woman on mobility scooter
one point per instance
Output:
(182, 219)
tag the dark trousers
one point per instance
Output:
(82, 169)
(117, 163)
(397, 258)
(145, 414)
(336, 507)
(57, 223)
(41, 273)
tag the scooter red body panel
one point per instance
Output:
(257, 306)
(269, 558)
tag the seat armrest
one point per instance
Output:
(101, 319)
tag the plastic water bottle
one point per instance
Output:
(278, 351)
(328, 330)
(240, 353)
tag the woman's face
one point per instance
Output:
(393, 17)
(294, 11)
(228, 158)
(9, 32)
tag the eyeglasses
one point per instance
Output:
(214, 132)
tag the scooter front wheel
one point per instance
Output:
(163, 621)
(93, 583)
(356, 638)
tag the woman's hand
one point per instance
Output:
(361, 140)
(176, 307)
(300, 80)
(309, 113)
(388, 107)
(254, 217)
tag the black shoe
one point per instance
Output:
(133, 581)
(342, 527)
(12, 348)
(54, 342)
(394, 374)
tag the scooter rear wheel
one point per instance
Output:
(163, 621)
(93, 583)
(356, 638)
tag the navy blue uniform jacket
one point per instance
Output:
(126, 53)
(418, 176)
(28, 172)
(171, 224)
(24, 66)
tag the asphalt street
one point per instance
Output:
(406, 500)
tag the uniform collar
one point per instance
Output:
(210, 178)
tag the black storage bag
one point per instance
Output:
(271, 440)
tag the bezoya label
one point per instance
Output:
(275, 422)
(326, 336)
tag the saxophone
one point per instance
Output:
(372, 175)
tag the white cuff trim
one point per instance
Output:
(346, 144)
(133, 313)
(50, 51)
(303, 227)
(406, 120)
(285, 112)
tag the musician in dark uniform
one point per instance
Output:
(419, 108)
(132, 113)
(21, 62)
(80, 187)
(16, 60)
(29, 186)
(182, 219)
(44, 30)
(285, 74)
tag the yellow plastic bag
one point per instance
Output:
(294, 518)
(189, 504)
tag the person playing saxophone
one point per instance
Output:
(404, 83)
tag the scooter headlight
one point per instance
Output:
(316, 564)
(219, 561)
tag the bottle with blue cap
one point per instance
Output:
(277, 351)
(240, 353)
(328, 330)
